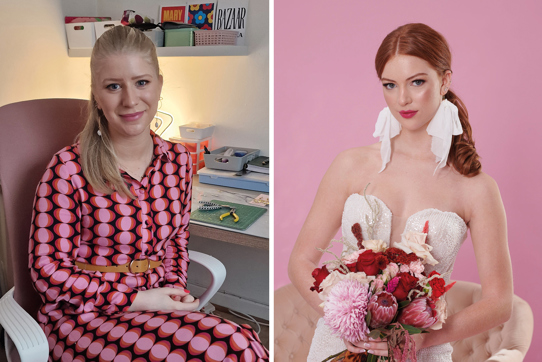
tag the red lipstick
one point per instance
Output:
(132, 116)
(408, 114)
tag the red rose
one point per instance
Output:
(406, 283)
(319, 274)
(367, 262)
(352, 267)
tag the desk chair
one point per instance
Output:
(31, 132)
(295, 321)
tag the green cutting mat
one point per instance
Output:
(247, 215)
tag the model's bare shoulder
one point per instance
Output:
(354, 157)
(481, 193)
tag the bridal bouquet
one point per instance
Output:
(382, 292)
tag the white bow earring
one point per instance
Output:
(386, 128)
(442, 127)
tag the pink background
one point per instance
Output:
(327, 99)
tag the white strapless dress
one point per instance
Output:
(447, 231)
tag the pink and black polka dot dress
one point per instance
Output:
(85, 313)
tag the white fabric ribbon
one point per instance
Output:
(386, 128)
(442, 127)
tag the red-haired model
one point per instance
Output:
(424, 121)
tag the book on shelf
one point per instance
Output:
(259, 164)
(232, 15)
(174, 13)
(201, 15)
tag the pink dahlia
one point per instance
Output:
(420, 313)
(345, 310)
(383, 307)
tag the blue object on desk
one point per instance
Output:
(253, 181)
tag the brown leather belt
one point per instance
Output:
(135, 266)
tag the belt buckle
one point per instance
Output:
(143, 271)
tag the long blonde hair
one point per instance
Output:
(98, 159)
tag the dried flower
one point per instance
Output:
(419, 313)
(383, 307)
(346, 308)
(356, 230)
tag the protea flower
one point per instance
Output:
(383, 307)
(420, 313)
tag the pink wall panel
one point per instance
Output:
(327, 99)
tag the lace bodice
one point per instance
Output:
(447, 231)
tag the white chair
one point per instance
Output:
(32, 131)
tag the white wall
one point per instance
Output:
(230, 92)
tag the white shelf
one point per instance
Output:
(187, 51)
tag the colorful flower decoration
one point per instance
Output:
(200, 17)
(208, 6)
(194, 7)
(210, 17)
(206, 27)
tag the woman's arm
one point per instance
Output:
(489, 238)
(321, 225)
(55, 238)
(176, 259)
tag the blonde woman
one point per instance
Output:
(109, 237)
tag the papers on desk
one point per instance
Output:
(250, 181)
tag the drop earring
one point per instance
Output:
(99, 133)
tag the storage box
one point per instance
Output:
(196, 131)
(156, 35)
(179, 37)
(218, 161)
(252, 181)
(215, 37)
(80, 35)
(195, 147)
(103, 26)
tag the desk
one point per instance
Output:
(244, 253)
(256, 236)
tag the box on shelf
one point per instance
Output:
(80, 35)
(252, 181)
(103, 26)
(195, 147)
(216, 159)
(215, 37)
(179, 37)
(156, 35)
(196, 130)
